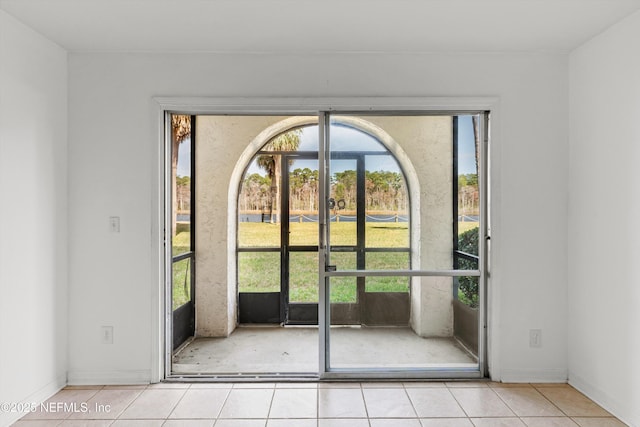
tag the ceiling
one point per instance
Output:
(295, 26)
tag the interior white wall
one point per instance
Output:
(113, 144)
(33, 218)
(604, 294)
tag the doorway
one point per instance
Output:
(369, 210)
(278, 227)
(336, 235)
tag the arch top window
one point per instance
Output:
(344, 137)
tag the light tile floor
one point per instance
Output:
(367, 404)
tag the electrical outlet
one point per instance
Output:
(535, 338)
(106, 333)
(114, 224)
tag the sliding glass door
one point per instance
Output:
(355, 246)
(411, 259)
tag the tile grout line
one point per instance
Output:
(413, 406)
(95, 391)
(177, 403)
(273, 396)
(458, 402)
(553, 403)
(364, 401)
(129, 405)
(121, 412)
(184, 390)
(317, 406)
(508, 406)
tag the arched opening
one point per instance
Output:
(277, 227)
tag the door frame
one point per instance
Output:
(160, 263)
(183, 319)
(327, 271)
(305, 310)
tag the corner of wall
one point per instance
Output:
(33, 248)
(604, 104)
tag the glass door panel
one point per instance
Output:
(258, 272)
(303, 201)
(182, 289)
(387, 203)
(303, 277)
(405, 266)
(467, 213)
(258, 206)
(343, 202)
(387, 348)
(345, 292)
(300, 237)
(346, 224)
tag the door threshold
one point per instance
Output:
(277, 325)
(244, 378)
(328, 377)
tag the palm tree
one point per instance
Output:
(272, 164)
(180, 131)
(476, 137)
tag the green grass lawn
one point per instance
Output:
(181, 282)
(381, 234)
(260, 271)
(181, 269)
(466, 226)
(181, 242)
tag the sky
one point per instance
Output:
(466, 146)
(343, 139)
(184, 158)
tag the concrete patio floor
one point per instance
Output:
(261, 350)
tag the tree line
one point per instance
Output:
(183, 194)
(385, 191)
(468, 194)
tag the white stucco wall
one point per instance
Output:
(427, 143)
(604, 291)
(33, 218)
(113, 169)
(220, 143)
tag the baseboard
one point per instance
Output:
(109, 377)
(508, 375)
(45, 392)
(628, 415)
